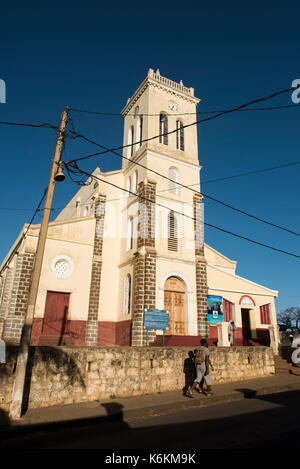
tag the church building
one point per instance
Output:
(133, 240)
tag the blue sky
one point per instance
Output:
(93, 55)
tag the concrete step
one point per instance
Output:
(283, 366)
(181, 341)
(53, 341)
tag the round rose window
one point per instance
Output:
(62, 266)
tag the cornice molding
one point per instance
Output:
(153, 79)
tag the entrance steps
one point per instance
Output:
(181, 341)
(283, 366)
(52, 341)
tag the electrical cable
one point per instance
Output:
(271, 108)
(21, 124)
(186, 187)
(183, 214)
(257, 100)
(248, 173)
(26, 231)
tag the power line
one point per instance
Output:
(183, 185)
(117, 114)
(22, 124)
(243, 212)
(26, 231)
(77, 169)
(182, 127)
(248, 173)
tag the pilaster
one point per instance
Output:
(93, 310)
(201, 268)
(19, 297)
(144, 289)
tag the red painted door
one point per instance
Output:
(56, 312)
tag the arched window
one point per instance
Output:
(86, 211)
(173, 174)
(139, 132)
(163, 128)
(78, 207)
(127, 294)
(179, 135)
(134, 182)
(172, 232)
(130, 142)
(128, 186)
(130, 235)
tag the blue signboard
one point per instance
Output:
(215, 309)
(156, 319)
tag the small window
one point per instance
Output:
(128, 187)
(134, 182)
(172, 232)
(163, 128)
(86, 211)
(127, 294)
(179, 135)
(227, 310)
(130, 235)
(173, 175)
(139, 133)
(130, 142)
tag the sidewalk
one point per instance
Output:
(152, 404)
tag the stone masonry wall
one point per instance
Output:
(62, 375)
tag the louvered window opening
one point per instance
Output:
(179, 136)
(227, 310)
(265, 314)
(172, 233)
(163, 129)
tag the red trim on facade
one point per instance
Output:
(75, 332)
(36, 331)
(247, 296)
(114, 333)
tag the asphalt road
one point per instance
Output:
(270, 421)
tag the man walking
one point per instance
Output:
(203, 365)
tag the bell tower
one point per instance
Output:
(161, 158)
(161, 106)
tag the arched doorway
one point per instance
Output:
(175, 303)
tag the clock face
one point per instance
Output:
(173, 106)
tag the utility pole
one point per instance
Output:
(55, 175)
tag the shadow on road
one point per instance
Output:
(257, 422)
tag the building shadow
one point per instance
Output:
(234, 426)
(4, 419)
(53, 359)
(189, 371)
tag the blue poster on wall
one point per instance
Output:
(214, 309)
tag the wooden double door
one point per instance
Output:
(175, 303)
